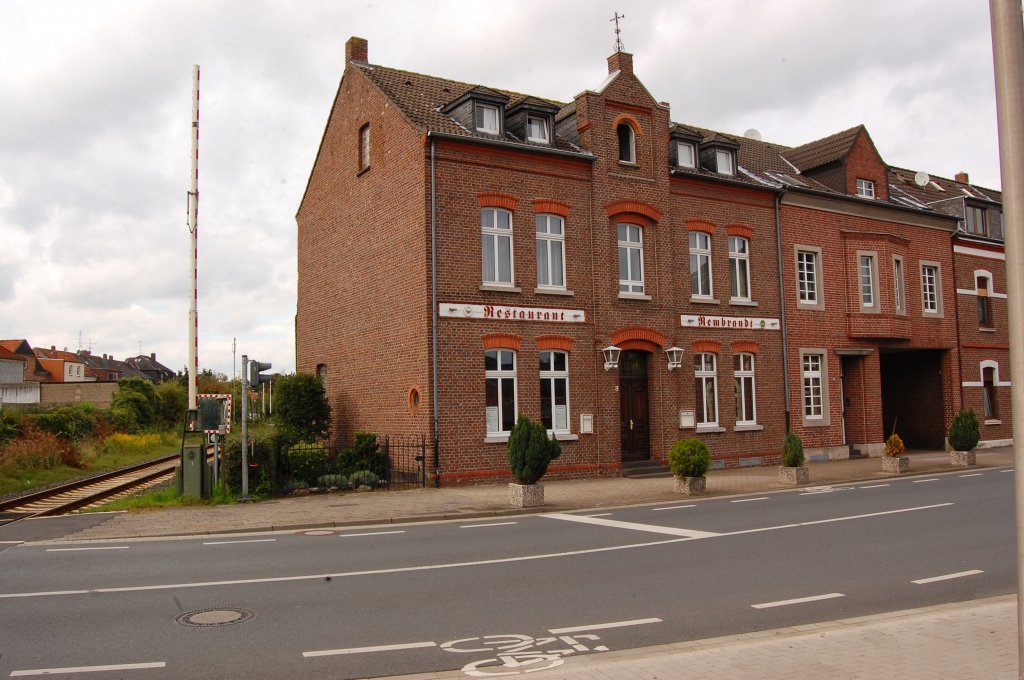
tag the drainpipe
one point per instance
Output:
(782, 304)
(433, 311)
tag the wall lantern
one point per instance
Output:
(611, 356)
(675, 357)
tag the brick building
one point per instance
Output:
(468, 254)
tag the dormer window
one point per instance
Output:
(865, 188)
(686, 155)
(725, 162)
(486, 119)
(537, 129)
(627, 143)
(974, 220)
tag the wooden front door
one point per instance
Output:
(634, 427)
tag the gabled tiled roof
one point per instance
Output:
(62, 355)
(938, 189)
(422, 98)
(823, 151)
(148, 364)
(8, 354)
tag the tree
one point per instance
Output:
(301, 411)
(173, 402)
(136, 404)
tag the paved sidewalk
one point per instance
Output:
(487, 500)
(962, 641)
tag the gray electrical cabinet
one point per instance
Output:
(195, 473)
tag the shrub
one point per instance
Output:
(300, 407)
(136, 405)
(10, 427)
(267, 462)
(964, 431)
(792, 451)
(364, 478)
(894, 447)
(173, 400)
(365, 454)
(308, 462)
(530, 451)
(72, 422)
(332, 482)
(37, 449)
(689, 458)
(295, 485)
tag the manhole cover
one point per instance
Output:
(216, 616)
(317, 532)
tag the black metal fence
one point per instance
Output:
(394, 462)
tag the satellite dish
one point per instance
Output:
(921, 179)
(752, 133)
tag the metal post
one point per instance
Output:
(245, 428)
(1008, 58)
(193, 219)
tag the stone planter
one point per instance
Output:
(962, 458)
(525, 495)
(895, 464)
(794, 475)
(691, 486)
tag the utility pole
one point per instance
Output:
(234, 345)
(245, 429)
(1008, 58)
(193, 219)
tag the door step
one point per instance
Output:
(645, 468)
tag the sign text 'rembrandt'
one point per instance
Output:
(737, 322)
(506, 313)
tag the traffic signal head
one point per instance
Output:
(255, 378)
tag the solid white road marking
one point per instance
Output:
(89, 669)
(798, 600)
(872, 486)
(250, 540)
(922, 481)
(633, 526)
(748, 500)
(973, 474)
(1008, 470)
(946, 577)
(113, 547)
(371, 533)
(675, 507)
(11, 542)
(492, 524)
(689, 535)
(602, 626)
(364, 650)
(598, 514)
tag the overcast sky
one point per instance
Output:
(95, 110)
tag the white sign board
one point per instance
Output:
(740, 323)
(455, 310)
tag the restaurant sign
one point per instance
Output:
(506, 313)
(740, 323)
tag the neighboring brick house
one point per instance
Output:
(149, 367)
(468, 254)
(63, 366)
(979, 265)
(102, 367)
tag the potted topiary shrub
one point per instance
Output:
(793, 471)
(530, 451)
(894, 460)
(689, 460)
(964, 433)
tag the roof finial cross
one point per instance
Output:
(618, 40)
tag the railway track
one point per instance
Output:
(90, 491)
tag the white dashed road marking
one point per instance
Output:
(89, 669)
(798, 600)
(634, 526)
(946, 577)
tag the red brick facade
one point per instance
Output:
(366, 318)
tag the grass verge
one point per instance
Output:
(163, 498)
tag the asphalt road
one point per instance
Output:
(388, 600)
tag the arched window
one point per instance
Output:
(321, 374)
(627, 143)
(988, 383)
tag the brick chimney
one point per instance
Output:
(621, 61)
(153, 356)
(357, 49)
(962, 177)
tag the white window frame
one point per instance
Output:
(971, 225)
(814, 387)
(744, 367)
(810, 292)
(692, 153)
(491, 231)
(633, 284)
(865, 188)
(739, 263)
(931, 289)
(630, 147)
(867, 281)
(545, 137)
(549, 242)
(364, 147)
(988, 390)
(480, 119)
(899, 285)
(706, 379)
(725, 162)
(551, 377)
(501, 376)
(700, 253)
